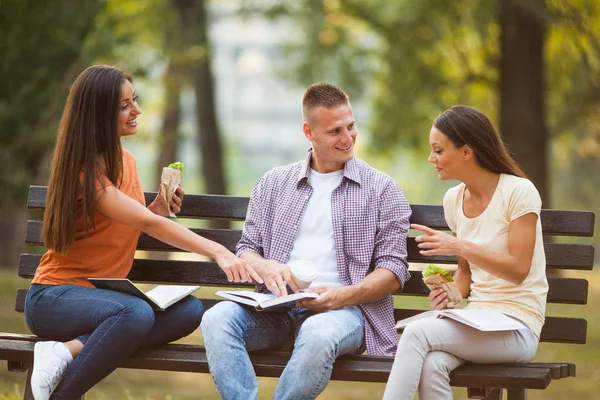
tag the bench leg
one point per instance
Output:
(484, 393)
(27, 394)
(517, 394)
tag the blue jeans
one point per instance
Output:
(111, 325)
(231, 330)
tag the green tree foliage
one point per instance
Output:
(44, 45)
(40, 43)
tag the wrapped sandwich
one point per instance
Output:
(169, 180)
(440, 278)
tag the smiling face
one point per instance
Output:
(128, 111)
(332, 133)
(449, 160)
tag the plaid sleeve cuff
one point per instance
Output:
(397, 267)
(242, 248)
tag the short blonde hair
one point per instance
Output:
(322, 95)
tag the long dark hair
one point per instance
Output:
(467, 125)
(87, 142)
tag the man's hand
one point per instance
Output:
(276, 276)
(159, 207)
(330, 298)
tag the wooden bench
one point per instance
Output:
(482, 381)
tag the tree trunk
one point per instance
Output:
(522, 89)
(522, 108)
(195, 33)
(172, 117)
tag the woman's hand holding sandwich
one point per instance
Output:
(158, 206)
(438, 299)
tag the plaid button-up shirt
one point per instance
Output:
(370, 217)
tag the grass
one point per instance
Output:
(155, 385)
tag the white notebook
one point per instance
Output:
(483, 319)
(159, 297)
(262, 301)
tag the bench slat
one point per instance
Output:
(562, 290)
(558, 255)
(556, 329)
(554, 222)
(192, 358)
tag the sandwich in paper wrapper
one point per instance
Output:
(169, 180)
(440, 278)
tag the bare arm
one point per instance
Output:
(513, 266)
(462, 277)
(121, 208)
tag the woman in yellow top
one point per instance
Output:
(497, 240)
(94, 215)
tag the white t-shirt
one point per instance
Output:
(513, 198)
(315, 241)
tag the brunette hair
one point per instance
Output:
(465, 125)
(87, 149)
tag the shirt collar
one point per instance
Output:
(351, 170)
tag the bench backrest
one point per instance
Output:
(559, 256)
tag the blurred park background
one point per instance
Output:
(220, 84)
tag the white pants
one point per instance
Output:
(431, 348)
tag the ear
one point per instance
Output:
(307, 131)
(467, 152)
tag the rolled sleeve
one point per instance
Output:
(392, 231)
(251, 239)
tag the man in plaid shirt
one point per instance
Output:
(346, 217)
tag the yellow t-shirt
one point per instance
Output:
(108, 250)
(513, 198)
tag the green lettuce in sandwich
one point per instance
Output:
(432, 270)
(177, 165)
(440, 278)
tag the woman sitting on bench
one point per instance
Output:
(494, 216)
(95, 212)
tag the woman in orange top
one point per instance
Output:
(95, 213)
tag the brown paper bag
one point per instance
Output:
(169, 180)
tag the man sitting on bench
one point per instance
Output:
(348, 219)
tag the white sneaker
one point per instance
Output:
(50, 361)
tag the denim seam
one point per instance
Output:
(315, 393)
(94, 347)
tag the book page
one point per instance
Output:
(289, 299)
(165, 295)
(257, 297)
(484, 319)
(427, 314)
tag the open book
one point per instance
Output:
(160, 297)
(478, 318)
(262, 301)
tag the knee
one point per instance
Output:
(317, 341)
(413, 330)
(192, 311)
(137, 316)
(217, 321)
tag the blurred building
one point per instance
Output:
(258, 111)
